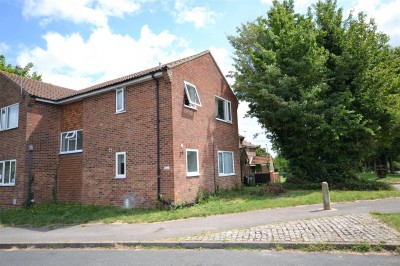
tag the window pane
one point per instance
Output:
(220, 108)
(12, 177)
(220, 163)
(3, 118)
(229, 111)
(63, 142)
(121, 164)
(192, 162)
(79, 140)
(1, 172)
(71, 144)
(228, 163)
(13, 116)
(7, 173)
(193, 97)
(120, 100)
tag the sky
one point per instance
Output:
(78, 43)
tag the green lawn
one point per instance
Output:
(246, 199)
(393, 179)
(392, 219)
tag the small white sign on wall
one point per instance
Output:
(167, 168)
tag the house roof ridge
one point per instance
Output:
(39, 88)
(54, 92)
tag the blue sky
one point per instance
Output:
(77, 43)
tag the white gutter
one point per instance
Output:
(100, 91)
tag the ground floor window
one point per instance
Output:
(192, 162)
(7, 173)
(120, 164)
(225, 163)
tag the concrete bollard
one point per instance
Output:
(325, 196)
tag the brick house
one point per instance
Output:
(162, 134)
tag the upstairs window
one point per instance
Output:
(9, 117)
(224, 110)
(7, 173)
(225, 163)
(120, 100)
(192, 162)
(120, 164)
(192, 98)
(71, 141)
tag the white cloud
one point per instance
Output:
(73, 62)
(4, 47)
(95, 12)
(386, 15)
(200, 16)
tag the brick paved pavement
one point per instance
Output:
(355, 228)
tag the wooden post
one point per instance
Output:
(325, 196)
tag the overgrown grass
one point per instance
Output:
(393, 179)
(392, 219)
(247, 199)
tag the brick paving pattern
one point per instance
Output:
(356, 228)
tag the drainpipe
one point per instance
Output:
(213, 151)
(159, 197)
(29, 170)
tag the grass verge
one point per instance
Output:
(391, 179)
(247, 199)
(391, 219)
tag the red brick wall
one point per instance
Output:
(70, 165)
(198, 128)
(13, 145)
(70, 178)
(133, 132)
(43, 131)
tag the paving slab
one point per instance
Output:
(353, 228)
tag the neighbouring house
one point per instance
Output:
(251, 164)
(162, 134)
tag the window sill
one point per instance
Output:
(120, 112)
(70, 152)
(120, 177)
(8, 129)
(228, 122)
(193, 175)
(190, 107)
(227, 174)
(7, 185)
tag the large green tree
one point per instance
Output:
(304, 77)
(25, 71)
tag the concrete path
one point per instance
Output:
(157, 232)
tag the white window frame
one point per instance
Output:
(117, 175)
(197, 173)
(73, 134)
(223, 170)
(227, 110)
(2, 173)
(123, 109)
(192, 104)
(5, 119)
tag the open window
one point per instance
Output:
(192, 98)
(223, 109)
(71, 141)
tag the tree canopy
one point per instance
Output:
(323, 86)
(25, 71)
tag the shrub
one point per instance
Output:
(358, 185)
(274, 189)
